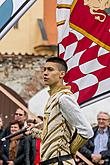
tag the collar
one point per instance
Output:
(58, 89)
(101, 131)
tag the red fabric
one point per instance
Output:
(86, 49)
(82, 18)
(37, 158)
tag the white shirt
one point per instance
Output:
(73, 114)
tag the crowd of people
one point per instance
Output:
(24, 148)
(63, 131)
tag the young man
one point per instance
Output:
(65, 128)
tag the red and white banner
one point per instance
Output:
(84, 43)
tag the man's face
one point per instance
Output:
(19, 115)
(14, 128)
(103, 120)
(51, 74)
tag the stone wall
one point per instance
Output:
(22, 73)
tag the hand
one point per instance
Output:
(10, 162)
(28, 132)
(76, 159)
(101, 162)
(96, 158)
(1, 162)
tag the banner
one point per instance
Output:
(84, 43)
(10, 13)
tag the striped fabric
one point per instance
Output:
(56, 133)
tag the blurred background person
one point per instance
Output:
(39, 120)
(1, 126)
(13, 150)
(31, 142)
(1, 132)
(97, 149)
(34, 139)
(20, 115)
(38, 140)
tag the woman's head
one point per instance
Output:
(15, 126)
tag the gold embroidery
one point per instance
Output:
(96, 5)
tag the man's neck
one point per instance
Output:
(56, 89)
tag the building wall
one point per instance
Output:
(22, 72)
(50, 20)
(28, 35)
(8, 106)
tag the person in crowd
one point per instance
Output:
(1, 132)
(30, 142)
(39, 120)
(97, 149)
(1, 126)
(62, 118)
(38, 141)
(31, 122)
(33, 140)
(20, 115)
(13, 149)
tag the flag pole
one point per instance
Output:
(84, 158)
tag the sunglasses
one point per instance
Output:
(18, 114)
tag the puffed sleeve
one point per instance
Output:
(74, 115)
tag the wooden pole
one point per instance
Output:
(84, 158)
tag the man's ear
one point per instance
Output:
(62, 74)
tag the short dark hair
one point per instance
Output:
(32, 121)
(59, 61)
(13, 122)
(40, 117)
